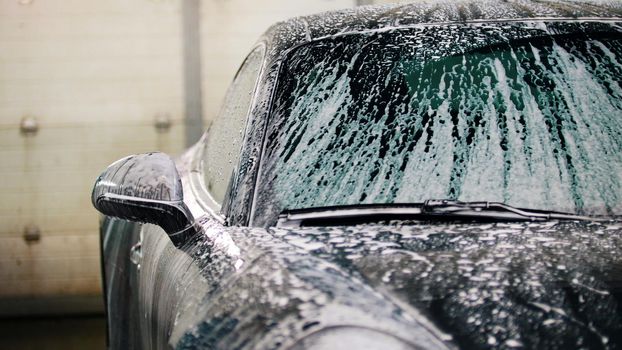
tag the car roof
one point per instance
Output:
(293, 32)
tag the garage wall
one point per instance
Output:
(94, 76)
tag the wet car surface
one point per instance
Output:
(354, 121)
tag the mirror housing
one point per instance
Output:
(145, 188)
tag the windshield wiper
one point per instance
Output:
(430, 210)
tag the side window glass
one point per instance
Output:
(224, 138)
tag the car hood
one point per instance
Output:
(537, 285)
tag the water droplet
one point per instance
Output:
(513, 343)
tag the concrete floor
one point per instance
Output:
(51, 333)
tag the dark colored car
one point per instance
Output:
(425, 176)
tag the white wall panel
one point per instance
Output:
(94, 74)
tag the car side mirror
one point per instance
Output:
(145, 188)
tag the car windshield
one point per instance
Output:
(528, 114)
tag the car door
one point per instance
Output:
(141, 267)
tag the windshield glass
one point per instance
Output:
(529, 114)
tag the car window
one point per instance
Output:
(525, 114)
(225, 136)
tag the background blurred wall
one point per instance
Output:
(94, 75)
(96, 78)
